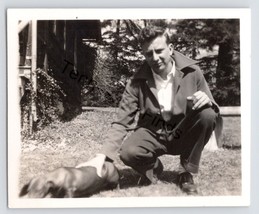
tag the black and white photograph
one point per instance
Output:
(128, 107)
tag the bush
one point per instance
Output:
(108, 81)
(48, 99)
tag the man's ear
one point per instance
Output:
(24, 190)
(171, 48)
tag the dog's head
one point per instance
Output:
(37, 188)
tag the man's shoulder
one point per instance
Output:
(193, 72)
(191, 69)
(183, 62)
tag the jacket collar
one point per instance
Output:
(181, 62)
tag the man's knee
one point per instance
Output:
(207, 117)
(129, 153)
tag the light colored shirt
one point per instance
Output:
(165, 89)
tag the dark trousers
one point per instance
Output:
(141, 150)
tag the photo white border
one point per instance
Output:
(14, 15)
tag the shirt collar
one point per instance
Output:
(169, 75)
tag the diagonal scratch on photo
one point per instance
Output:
(129, 108)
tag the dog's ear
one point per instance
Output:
(24, 190)
(49, 185)
(50, 188)
(54, 190)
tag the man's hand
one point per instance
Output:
(97, 162)
(199, 99)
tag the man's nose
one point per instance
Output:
(155, 57)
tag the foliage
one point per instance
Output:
(117, 59)
(48, 99)
(108, 85)
(221, 69)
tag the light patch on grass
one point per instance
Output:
(231, 133)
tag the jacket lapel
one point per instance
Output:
(176, 84)
(180, 63)
(152, 85)
(147, 75)
(177, 80)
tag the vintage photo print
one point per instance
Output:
(128, 107)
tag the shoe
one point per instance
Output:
(158, 168)
(186, 183)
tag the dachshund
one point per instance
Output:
(71, 182)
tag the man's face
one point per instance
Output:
(158, 54)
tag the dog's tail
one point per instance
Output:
(24, 190)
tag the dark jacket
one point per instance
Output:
(140, 95)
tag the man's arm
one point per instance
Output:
(203, 95)
(125, 118)
(115, 135)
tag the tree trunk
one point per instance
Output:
(227, 74)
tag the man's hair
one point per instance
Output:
(149, 33)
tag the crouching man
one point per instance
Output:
(177, 113)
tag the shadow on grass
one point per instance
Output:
(232, 147)
(130, 178)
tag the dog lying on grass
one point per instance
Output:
(71, 182)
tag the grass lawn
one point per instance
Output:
(76, 141)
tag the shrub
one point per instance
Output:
(48, 99)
